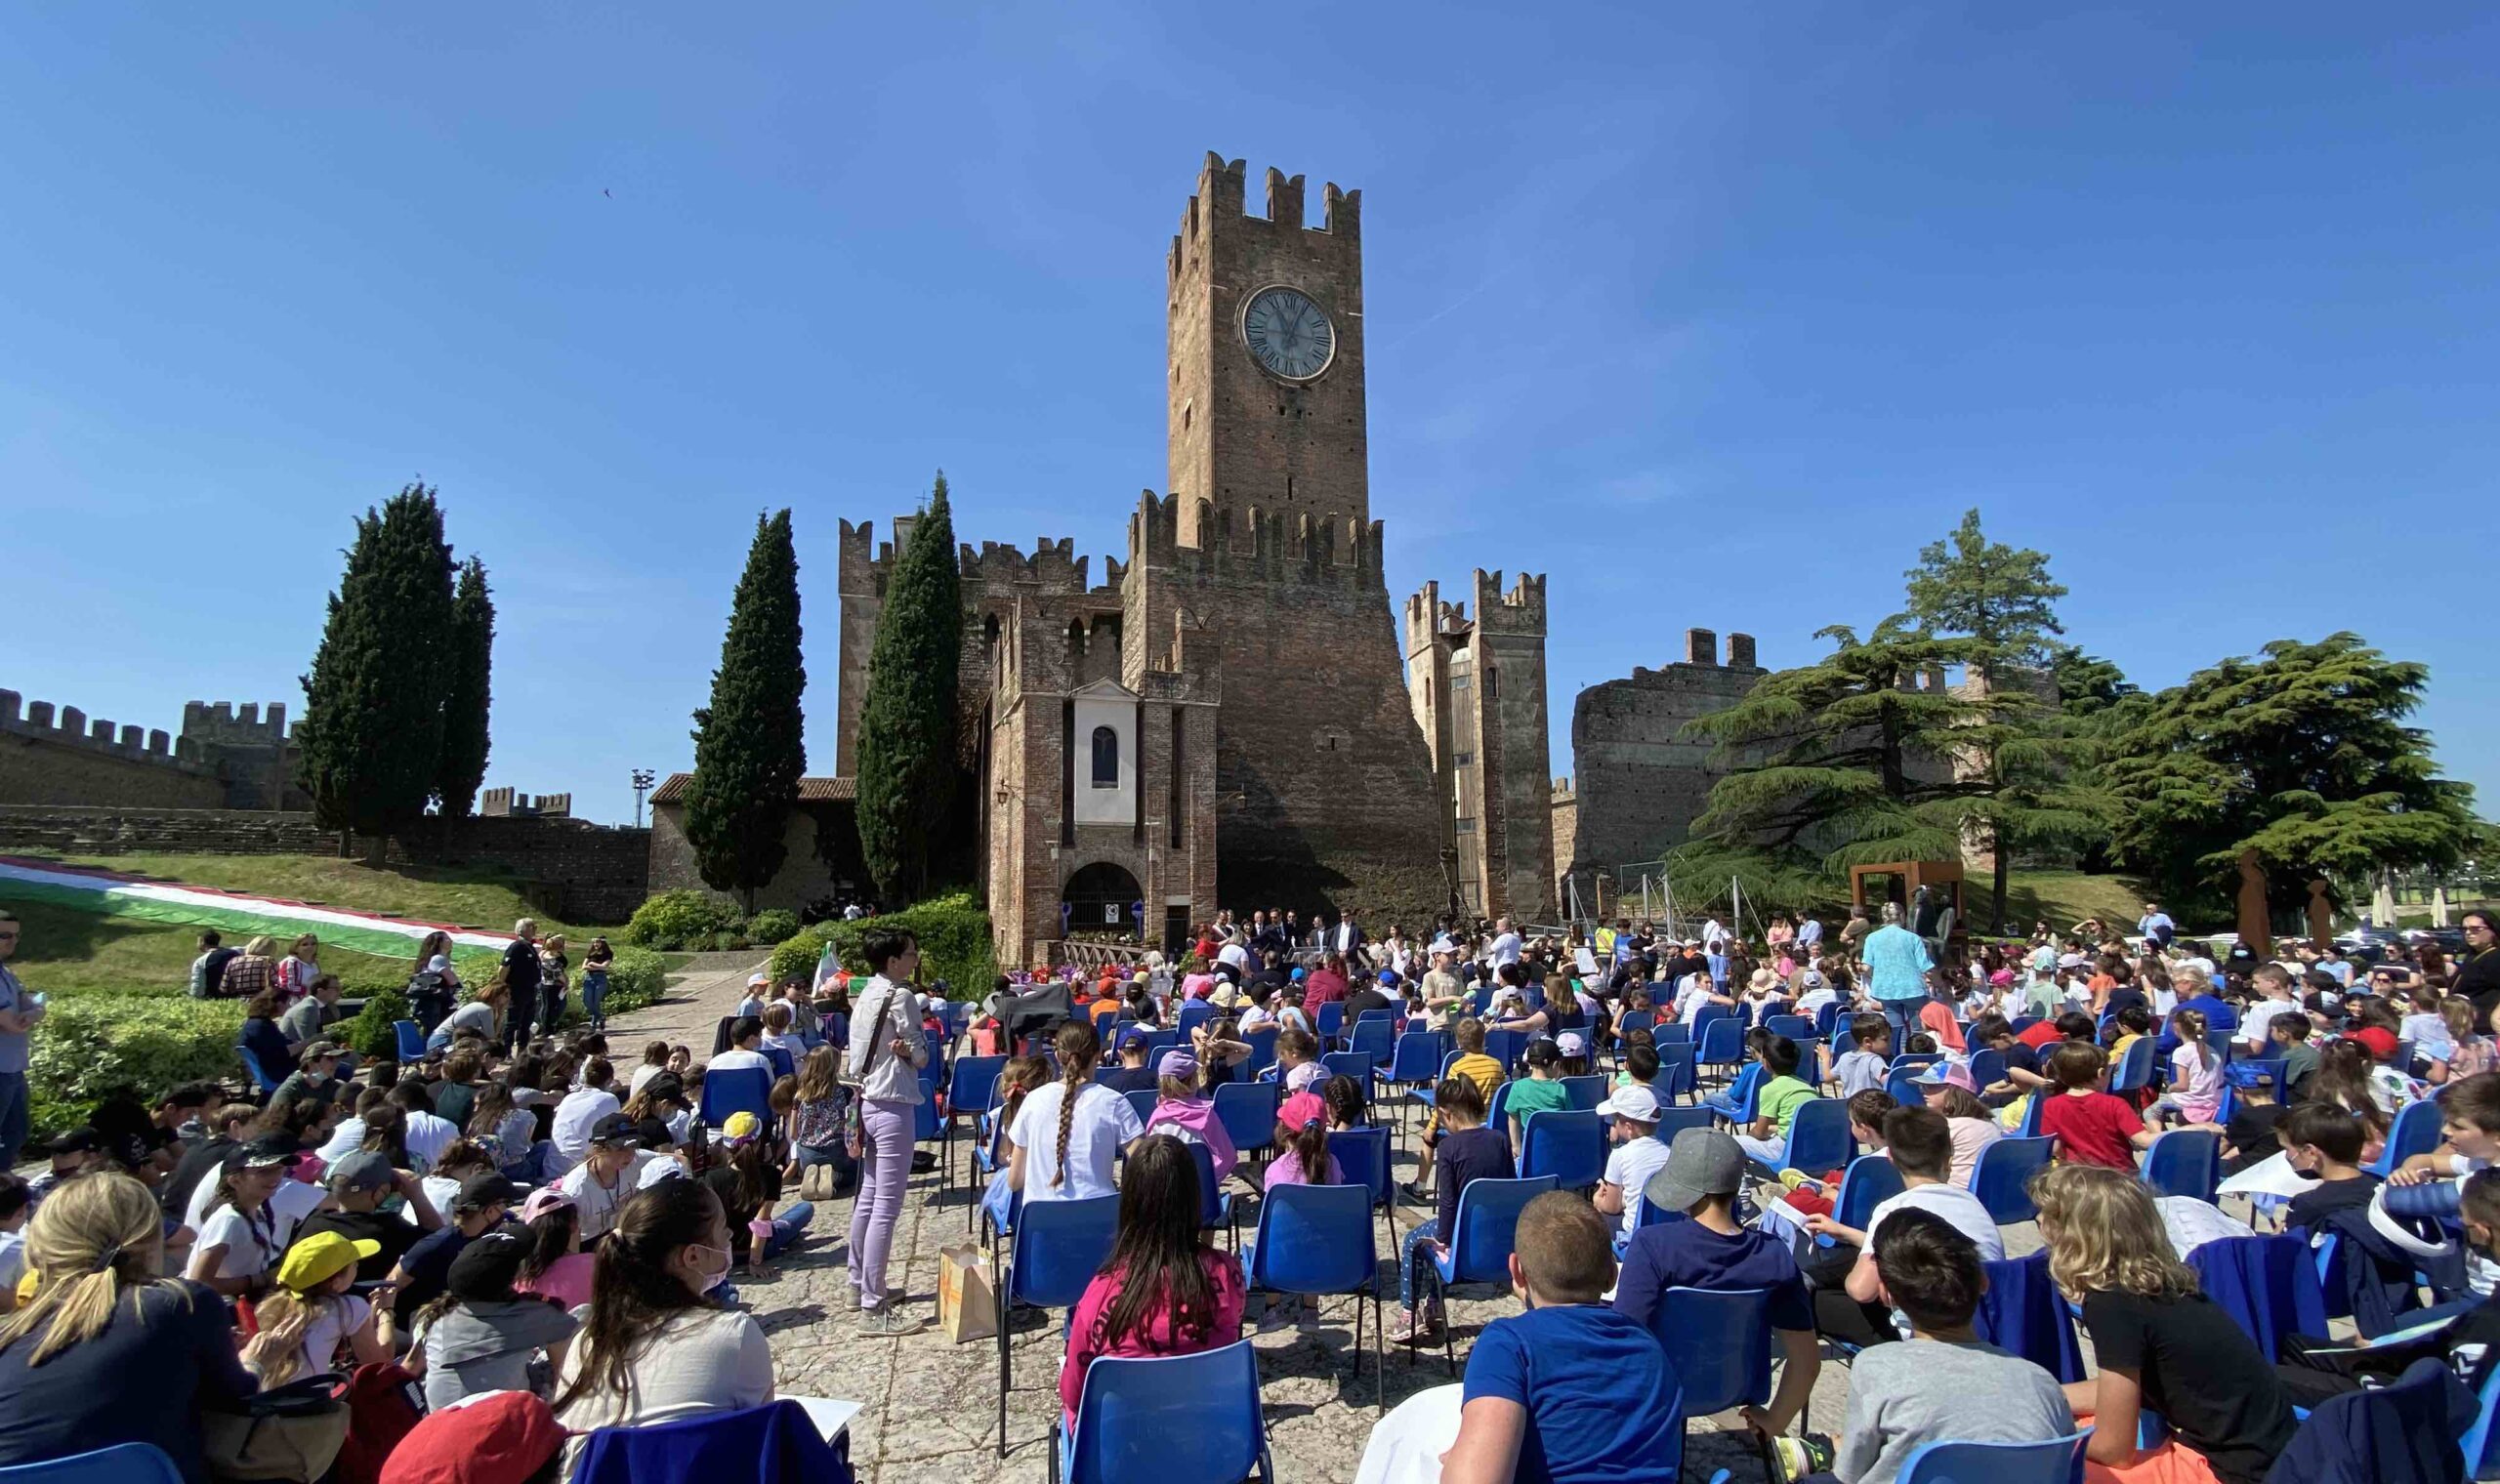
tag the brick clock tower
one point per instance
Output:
(1265, 539)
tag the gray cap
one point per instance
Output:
(1701, 1161)
(361, 1169)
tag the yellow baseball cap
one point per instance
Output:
(741, 1125)
(320, 1257)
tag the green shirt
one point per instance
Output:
(1529, 1095)
(1780, 1099)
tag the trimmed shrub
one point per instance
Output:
(772, 925)
(681, 919)
(371, 1033)
(634, 980)
(93, 1044)
(954, 944)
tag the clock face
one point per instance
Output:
(1290, 334)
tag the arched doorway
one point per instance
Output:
(1100, 897)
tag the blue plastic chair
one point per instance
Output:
(1586, 1092)
(1057, 1249)
(1414, 1062)
(2184, 1162)
(1721, 1045)
(2269, 1285)
(1828, 1018)
(121, 1463)
(1915, 1061)
(1214, 1207)
(718, 1445)
(2035, 1112)
(1479, 1249)
(1248, 1112)
(1567, 1144)
(1678, 1078)
(1636, 1020)
(2416, 1131)
(1668, 1031)
(2058, 1461)
(1796, 1028)
(1869, 1180)
(971, 1085)
(1194, 1013)
(2479, 1438)
(1987, 1068)
(1674, 1119)
(1374, 1038)
(1363, 1156)
(1819, 1137)
(1134, 1408)
(736, 1090)
(786, 1065)
(1318, 1240)
(1262, 1049)
(1506, 1048)
(412, 1041)
(2134, 1072)
(1718, 1344)
(2002, 1179)
(1329, 1021)
(1355, 1064)
(1157, 1043)
(1143, 1101)
(1902, 1085)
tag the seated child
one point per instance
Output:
(1715, 1251)
(1474, 1066)
(1541, 1090)
(1943, 1384)
(1569, 1389)
(1866, 1064)
(1638, 1154)
(1467, 1150)
(1776, 1105)
(2091, 1127)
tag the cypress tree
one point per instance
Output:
(750, 744)
(371, 736)
(470, 695)
(907, 763)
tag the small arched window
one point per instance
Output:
(1106, 758)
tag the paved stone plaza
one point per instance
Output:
(929, 1409)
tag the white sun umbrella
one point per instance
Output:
(2382, 903)
(2439, 905)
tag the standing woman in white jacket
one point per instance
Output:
(885, 1057)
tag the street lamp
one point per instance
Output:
(643, 778)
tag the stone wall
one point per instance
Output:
(1564, 805)
(1640, 782)
(226, 756)
(577, 872)
(804, 877)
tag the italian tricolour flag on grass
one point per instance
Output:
(236, 914)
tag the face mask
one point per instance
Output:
(711, 1281)
(316, 1079)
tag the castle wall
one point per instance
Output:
(57, 755)
(1510, 629)
(1640, 782)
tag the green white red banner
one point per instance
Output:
(237, 914)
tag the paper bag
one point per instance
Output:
(967, 1305)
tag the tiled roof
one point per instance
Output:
(810, 789)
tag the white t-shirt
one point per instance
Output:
(427, 1135)
(2254, 1022)
(251, 1244)
(290, 1203)
(1506, 950)
(598, 1203)
(1101, 1125)
(1955, 1205)
(701, 1360)
(579, 1112)
(339, 1318)
(736, 1057)
(1628, 1169)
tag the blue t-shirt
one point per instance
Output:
(1594, 1384)
(1689, 1254)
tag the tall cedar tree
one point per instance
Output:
(2003, 598)
(1843, 762)
(372, 729)
(750, 744)
(908, 763)
(470, 696)
(2301, 755)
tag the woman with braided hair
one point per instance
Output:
(1069, 1135)
(105, 1352)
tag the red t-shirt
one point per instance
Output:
(2094, 1129)
(2041, 1036)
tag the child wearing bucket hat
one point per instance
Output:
(304, 1322)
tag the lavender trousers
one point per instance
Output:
(885, 1168)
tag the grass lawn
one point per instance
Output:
(68, 951)
(2062, 899)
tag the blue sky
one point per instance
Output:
(1713, 313)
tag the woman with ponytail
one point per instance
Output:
(1067, 1136)
(885, 1052)
(657, 1347)
(105, 1352)
(1302, 1144)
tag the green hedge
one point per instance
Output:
(772, 925)
(89, 1045)
(372, 1032)
(634, 980)
(684, 919)
(954, 944)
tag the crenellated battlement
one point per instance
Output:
(69, 726)
(1052, 565)
(503, 803)
(1223, 196)
(1250, 544)
(1519, 610)
(235, 724)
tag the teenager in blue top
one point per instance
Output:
(1715, 1251)
(1570, 1391)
